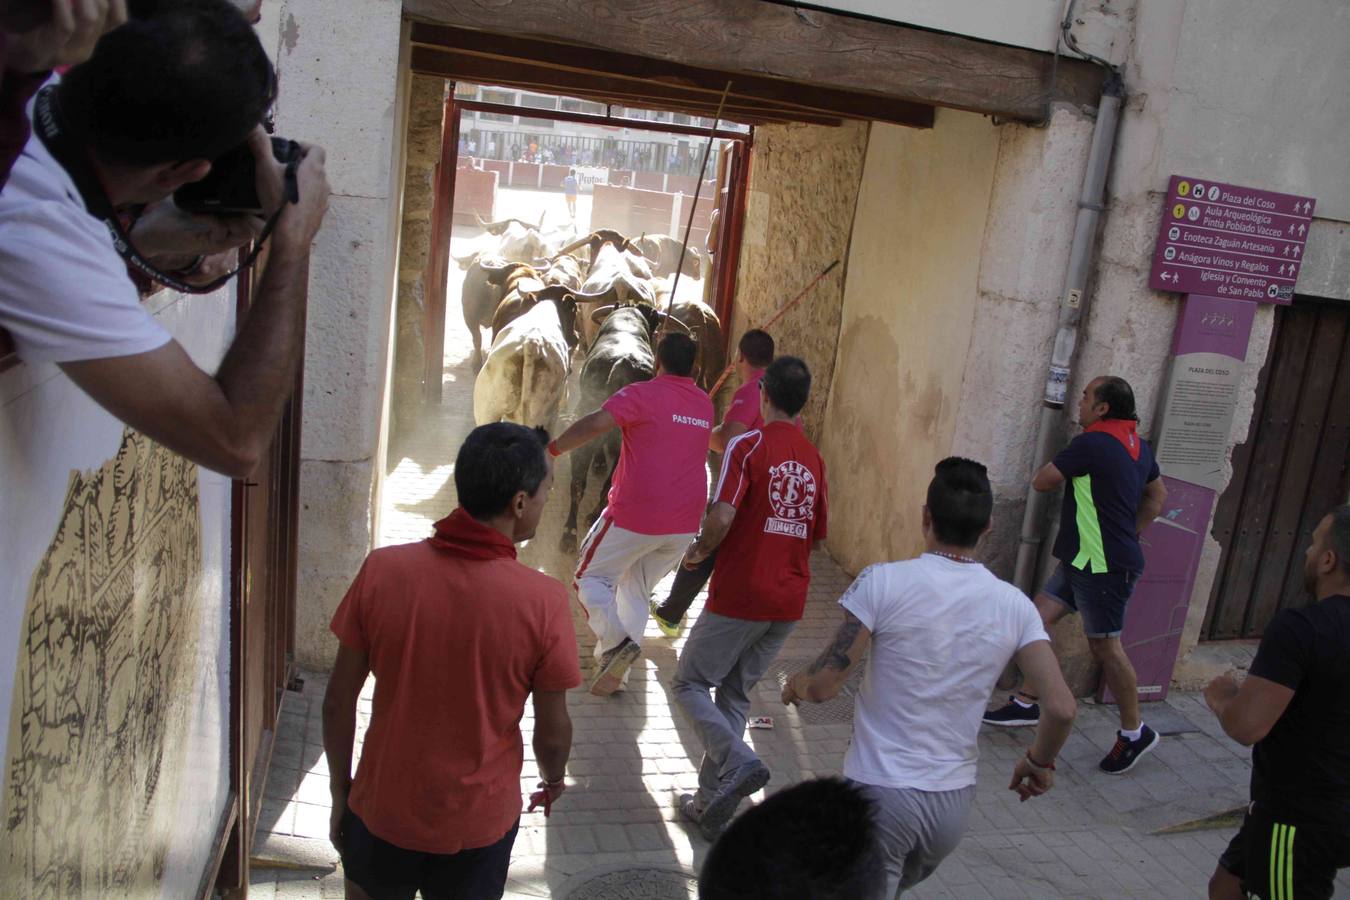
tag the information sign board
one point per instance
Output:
(1232, 242)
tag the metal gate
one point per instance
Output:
(1289, 474)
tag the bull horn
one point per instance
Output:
(668, 321)
(495, 264)
(600, 313)
(541, 219)
(575, 245)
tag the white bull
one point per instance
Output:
(526, 369)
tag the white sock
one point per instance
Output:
(1022, 703)
(1133, 735)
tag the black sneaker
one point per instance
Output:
(731, 790)
(1126, 752)
(1013, 714)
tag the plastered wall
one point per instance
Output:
(910, 301)
(803, 187)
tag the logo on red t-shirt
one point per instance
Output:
(792, 494)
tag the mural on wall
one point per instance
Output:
(104, 689)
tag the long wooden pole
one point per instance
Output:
(698, 189)
(774, 318)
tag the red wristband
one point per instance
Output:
(1031, 759)
(553, 449)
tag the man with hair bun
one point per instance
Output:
(941, 627)
(458, 634)
(1113, 492)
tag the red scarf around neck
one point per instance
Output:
(1122, 430)
(463, 535)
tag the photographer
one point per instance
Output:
(159, 100)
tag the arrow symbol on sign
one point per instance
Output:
(1302, 231)
(1297, 251)
(1307, 205)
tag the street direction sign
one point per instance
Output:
(1228, 241)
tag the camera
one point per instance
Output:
(230, 188)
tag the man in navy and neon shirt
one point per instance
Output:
(1112, 491)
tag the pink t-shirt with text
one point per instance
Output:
(661, 482)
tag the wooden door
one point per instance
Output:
(262, 624)
(1290, 473)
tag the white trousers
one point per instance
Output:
(615, 577)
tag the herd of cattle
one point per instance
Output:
(548, 295)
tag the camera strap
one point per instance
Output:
(73, 156)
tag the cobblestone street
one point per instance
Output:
(615, 833)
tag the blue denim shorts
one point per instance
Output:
(1100, 598)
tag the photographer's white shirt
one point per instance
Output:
(942, 631)
(64, 292)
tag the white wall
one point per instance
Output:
(133, 775)
(339, 75)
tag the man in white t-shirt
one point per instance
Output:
(162, 96)
(941, 628)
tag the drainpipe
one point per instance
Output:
(1072, 308)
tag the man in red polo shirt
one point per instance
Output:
(769, 511)
(659, 490)
(754, 351)
(458, 635)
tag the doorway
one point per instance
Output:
(1290, 473)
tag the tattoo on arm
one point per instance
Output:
(836, 655)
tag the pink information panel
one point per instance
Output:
(1191, 443)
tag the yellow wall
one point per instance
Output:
(909, 304)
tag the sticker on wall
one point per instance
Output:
(104, 686)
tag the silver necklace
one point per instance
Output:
(955, 557)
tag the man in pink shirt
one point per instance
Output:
(754, 352)
(655, 502)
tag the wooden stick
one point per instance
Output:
(698, 189)
(774, 318)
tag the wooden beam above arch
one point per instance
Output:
(819, 63)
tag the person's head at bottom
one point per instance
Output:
(503, 475)
(813, 841)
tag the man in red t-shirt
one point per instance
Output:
(768, 513)
(659, 490)
(458, 635)
(753, 353)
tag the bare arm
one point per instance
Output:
(724, 434)
(1247, 713)
(1031, 774)
(587, 428)
(552, 734)
(339, 728)
(552, 746)
(1151, 505)
(224, 422)
(823, 678)
(1047, 478)
(716, 522)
